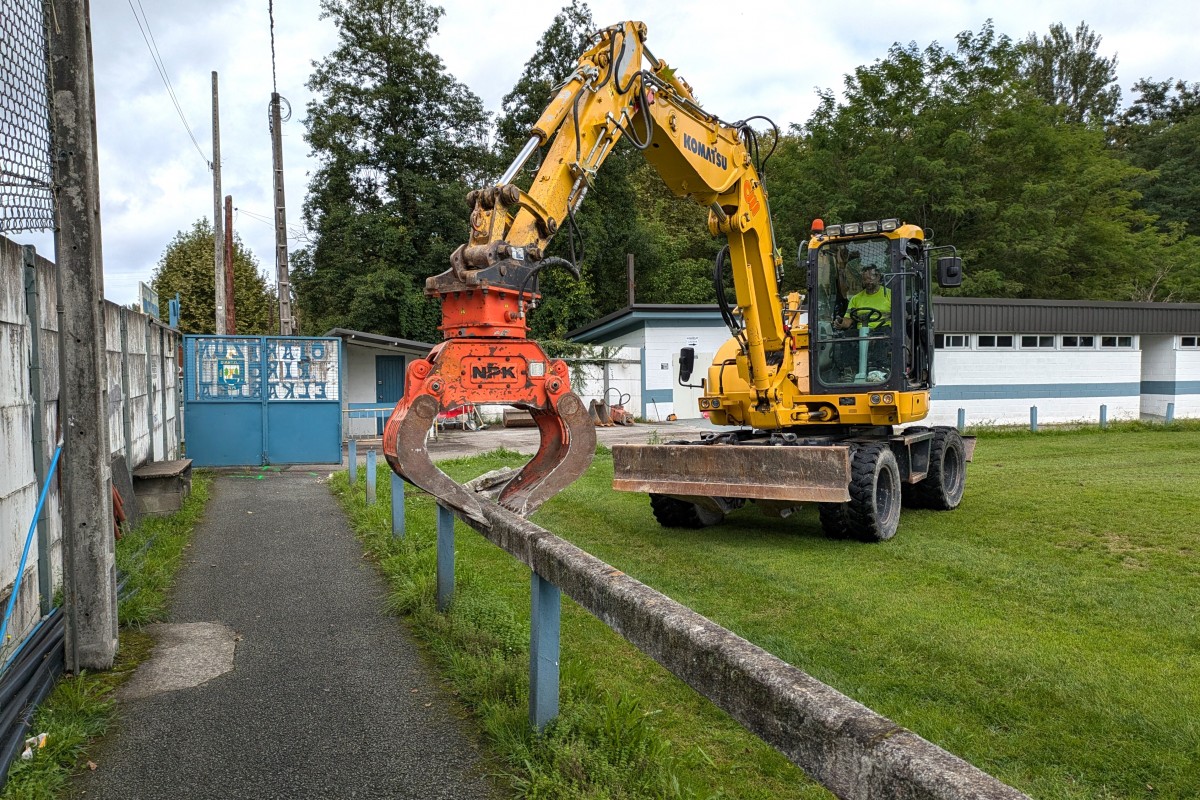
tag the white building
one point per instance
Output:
(995, 360)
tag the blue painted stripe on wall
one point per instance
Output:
(1018, 391)
(1171, 387)
(659, 395)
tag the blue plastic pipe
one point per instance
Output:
(12, 599)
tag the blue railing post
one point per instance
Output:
(962, 420)
(545, 616)
(353, 462)
(1103, 416)
(1170, 413)
(371, 477)
(1033, 418)
(445, 557)
(397, 506)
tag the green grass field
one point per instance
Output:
(1047, 630)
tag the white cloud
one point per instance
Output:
(765, 58)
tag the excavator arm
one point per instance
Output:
(618, 88)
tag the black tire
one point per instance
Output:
(674, 513)
(873, 513)
(834, 522)
(942, 489)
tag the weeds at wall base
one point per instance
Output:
(80, 708)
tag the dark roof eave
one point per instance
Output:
(378, 340)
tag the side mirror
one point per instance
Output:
(949, 271)
(687, 362)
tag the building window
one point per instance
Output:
(1029, 341)
(1191, 342)
(1116, 342)
(993, 341)
(1079, 341)
(951, 341)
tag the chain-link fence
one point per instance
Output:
(26, 199)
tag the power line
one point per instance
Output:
(156, 57)
(296, 233)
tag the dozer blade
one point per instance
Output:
(758, 472)
(568, 444)
(405, 436)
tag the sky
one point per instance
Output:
(768, 58)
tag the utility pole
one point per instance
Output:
(89, 567)
(218, 237)
(286, 323)
(629, 284)
(230, 311)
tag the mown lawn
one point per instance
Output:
(1047, 630)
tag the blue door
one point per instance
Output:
(389, 384)
(252, 400)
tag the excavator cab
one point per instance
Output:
(870, 285)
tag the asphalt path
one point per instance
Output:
(304, 686)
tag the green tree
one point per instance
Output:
(398, 143)
(1067, 71)
(1160, 133)
(186, 268)
(961, 142)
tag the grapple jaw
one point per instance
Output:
(513, 372)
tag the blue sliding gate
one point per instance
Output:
(253, 400)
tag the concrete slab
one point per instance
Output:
(185, 655)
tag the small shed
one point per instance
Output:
(374, 373)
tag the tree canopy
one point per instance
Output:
(1017, 152)
(186, 267)
(398, 142)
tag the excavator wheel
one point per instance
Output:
(834, 520)
(674, 513)
(942, 489)
(873, 513)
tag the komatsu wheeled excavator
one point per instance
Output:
(815, 391)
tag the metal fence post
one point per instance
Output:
(149, 394)
(445, 557)
(1103, 416)
(1033, 419)
(397, 506)
(1170, 413)
(545, 616)
(371, 477)
(962, 420)
(176, 378)
(353, 462)
(126, 391)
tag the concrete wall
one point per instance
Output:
(997, 387)
(137, 389)
(1187, 386)
(664, 396)
(1159, 369)
(624, 374)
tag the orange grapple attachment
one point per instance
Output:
(511, 372)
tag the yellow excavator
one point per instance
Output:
(814, 390)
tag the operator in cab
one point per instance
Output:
(872, 296)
